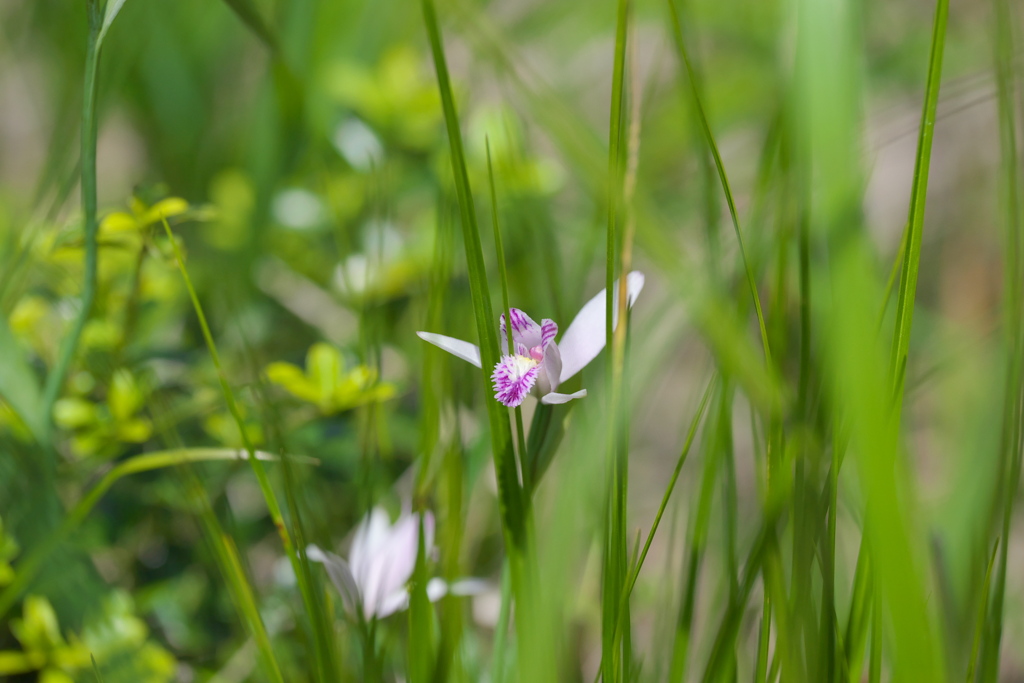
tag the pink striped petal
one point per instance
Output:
(548, 330)
(524, 329)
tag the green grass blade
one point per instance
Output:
(695, 554)
(875, 657)
(1012, 446)
(421, 644)
(723, 652)
(299, 563)
(109, 14)
(501, 647)
(514, 508)
(506, 307)
(763, 638)
(246, 600)
(513, 512)
(893, 274)
(19, 386)
(637, 562)
(55, 380)
(979, 628)
(709, 138)
(680, 461)
(250, 15)
(614, 619)
(918, 195)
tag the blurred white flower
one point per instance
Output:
(381, 562)
(357, 142)
(383, 246)
(298, 209)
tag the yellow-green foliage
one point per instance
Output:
(327, 383)
(116, 640)
(105, 427)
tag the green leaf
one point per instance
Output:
(421, 618)
(38, 628)
(19, 386)
(247, 11)
(124, 397)
(74, 413)
(323, 368)
(510, 493)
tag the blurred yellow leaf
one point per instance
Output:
(327, 383)
(73, 412)
(118, 221)
(38, 628)
(165, 208)
(137, 430)
(124, 397)
(293, 380)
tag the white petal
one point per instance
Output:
(374, 561)
(436, 589)
(393, 602)
(461, 349)
(339, 573)
(551, 369)
(586, 335)
(398, 556)
(370, 536)
(555, 399)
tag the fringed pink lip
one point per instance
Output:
(513, 378)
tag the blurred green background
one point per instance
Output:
(298, 149)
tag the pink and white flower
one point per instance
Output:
(535, 362)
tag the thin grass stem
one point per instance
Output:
(55, 380)
(709, 138)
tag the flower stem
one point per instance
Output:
(55, 380)
(507, 308)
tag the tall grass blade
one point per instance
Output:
(615, 614)
(694, 424)
(695, 555)
(709, 139)
(421, 619)
(1013, 409)
(297, 561)
(524, 464)
(109, 14)
(918, 195)
(513, 506)
(55, 380)
(979, 628)
(250, 15)
(513, 512)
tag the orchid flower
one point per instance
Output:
(380, 563)
(536, 362)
